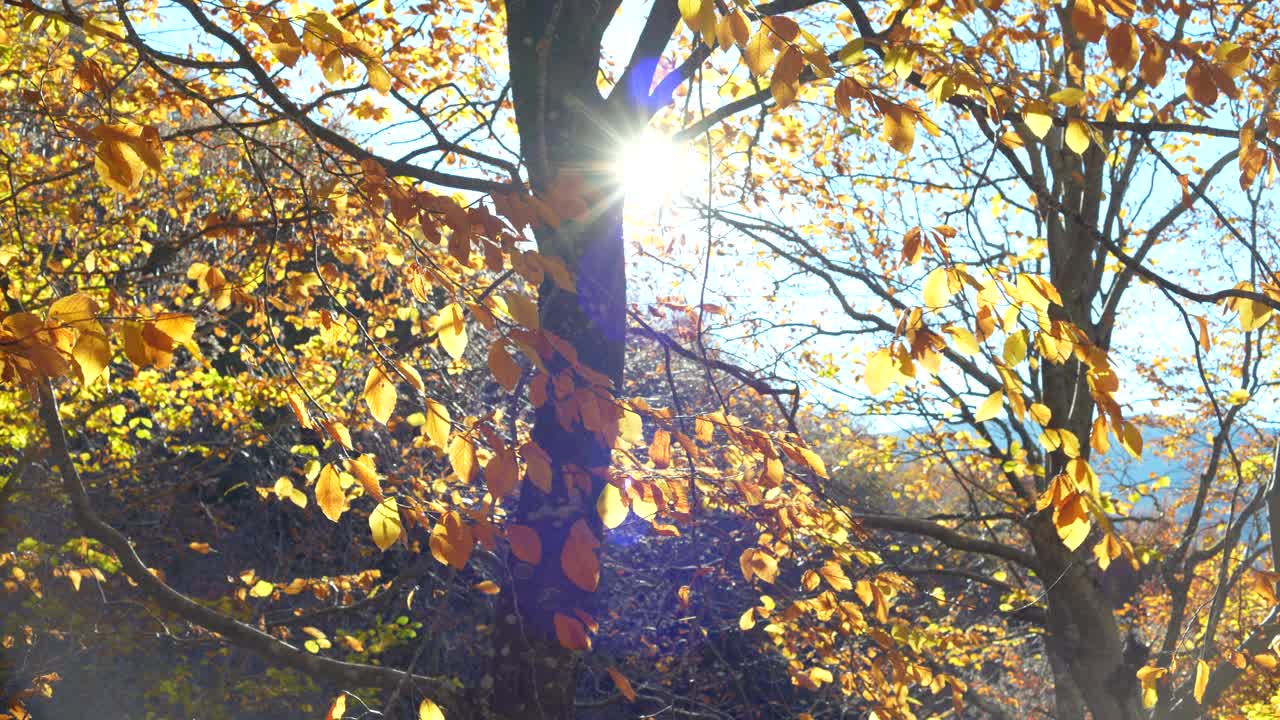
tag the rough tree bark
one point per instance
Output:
(566, 137)
(1083, 638)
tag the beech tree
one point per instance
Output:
(308, 230)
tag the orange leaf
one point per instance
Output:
(660, 449)
(538, 465)
(578, 559)
(900, 127)
(502, 474)
(366, 472)
(301, 412)
(504, 368)
(525, 544)
(835, 576)
(571, 633)
(1122, 47)
(451, 541)
(758, 563)
(622, 683)
(1200, 85)
(1089, 21)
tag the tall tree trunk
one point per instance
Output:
(566, 140)
(1084, 640)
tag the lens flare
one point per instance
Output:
(654, 171)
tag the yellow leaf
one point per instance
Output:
(487, 587)
(329, 493)
(428, 710)
(200, 547)
(333, 67)
(451, 329)
(1202, 680)
(1041, 414)
(1253, 315)
(338, 432)
(578, 559)
(384, 522)
(1147, 678)
(1077, 136)
(124, 153)
(1239, 396)
(938, 288)
(631, 427)
(1015, 347)
(1107, 549)
(92, 351)
(180, 328)
(819, 675)
(462, 458)
(814, 462)
(379, 395)
(522, 309)
(301, 411)
(1131, 439)
(990, 407)
(337, 709)
(962, 340)
(379, 78)
(1072, 520)
(1038, 118)
(611, 508)
(759, 52)
(700, 16)
(538, 465)
(261, 589)
(437, 424)
(880, 371)
(1068, 96)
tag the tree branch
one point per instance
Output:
(948, 537)
(232, 630)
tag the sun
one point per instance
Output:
(655, 171)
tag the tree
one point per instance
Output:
(324, 274)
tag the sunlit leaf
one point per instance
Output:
(329, 495)
(384, 522)
(613, 512)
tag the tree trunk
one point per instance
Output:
(566, 141)
(1083, 638)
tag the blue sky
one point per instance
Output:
(737, 280)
